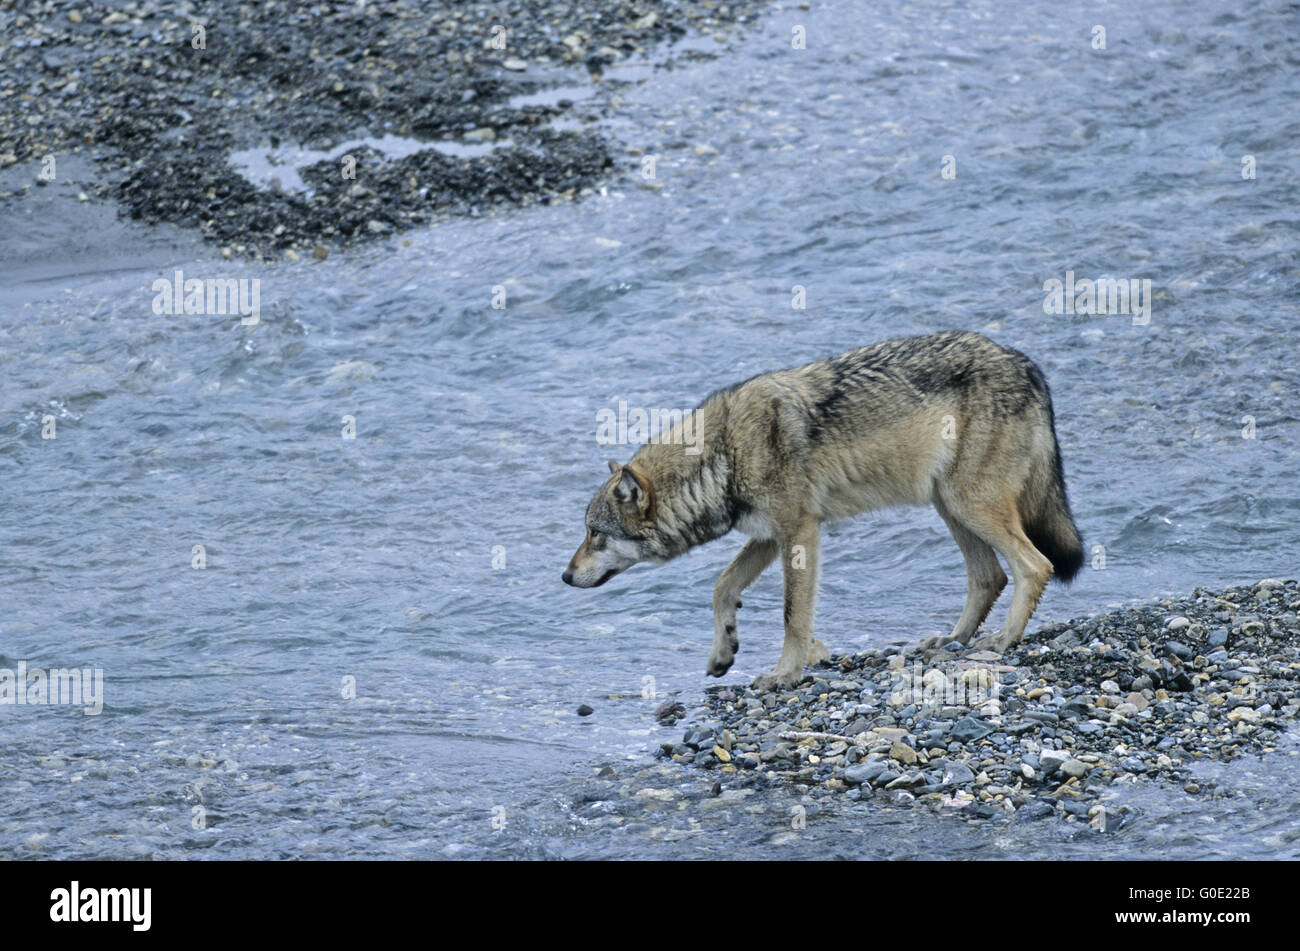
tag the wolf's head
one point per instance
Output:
(619, 523)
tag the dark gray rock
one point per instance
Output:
(864, 772)
(1037, 809)
(968, 730)
(957, 774)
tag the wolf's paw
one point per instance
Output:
(818, 652)
(726, 642)
(932, 643)
(774, 681)
(1001, 643)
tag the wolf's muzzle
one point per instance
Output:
(567, 578)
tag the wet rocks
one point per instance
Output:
(1042, 730)
(903, 753)
(1074, 768)
(864, 772)
(968, 730)
(669, 712)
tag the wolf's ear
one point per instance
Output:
(635, 489)
(614, 466)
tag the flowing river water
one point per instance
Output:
(378, 658)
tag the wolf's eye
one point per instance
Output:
(597, 539)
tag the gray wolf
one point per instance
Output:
(950, 419)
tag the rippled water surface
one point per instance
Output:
(373, 558)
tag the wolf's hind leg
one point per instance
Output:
(750, 562)
(1030, 569)
(985, 580)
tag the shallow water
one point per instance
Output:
(279, 166)
(373, 558)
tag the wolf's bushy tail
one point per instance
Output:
(1045, 515)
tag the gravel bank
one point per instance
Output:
(1133, 695)
(328, 79)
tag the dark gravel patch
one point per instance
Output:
(161, 117)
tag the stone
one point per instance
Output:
(968, 730)
(1052, 760)
(858, 726)
(864, 772)
(907, 779)
(1075, 768)
(957, 774)
(903, 753)
(1037, 809)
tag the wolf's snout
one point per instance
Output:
(567, 577)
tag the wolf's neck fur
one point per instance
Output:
(694, 503)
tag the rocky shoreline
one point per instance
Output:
(1133, 695)
(163, 94)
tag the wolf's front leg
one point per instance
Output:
(754, 556)
(800, 555)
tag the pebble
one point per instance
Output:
(1052, 760)
(1075, 768)
(903, 753)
